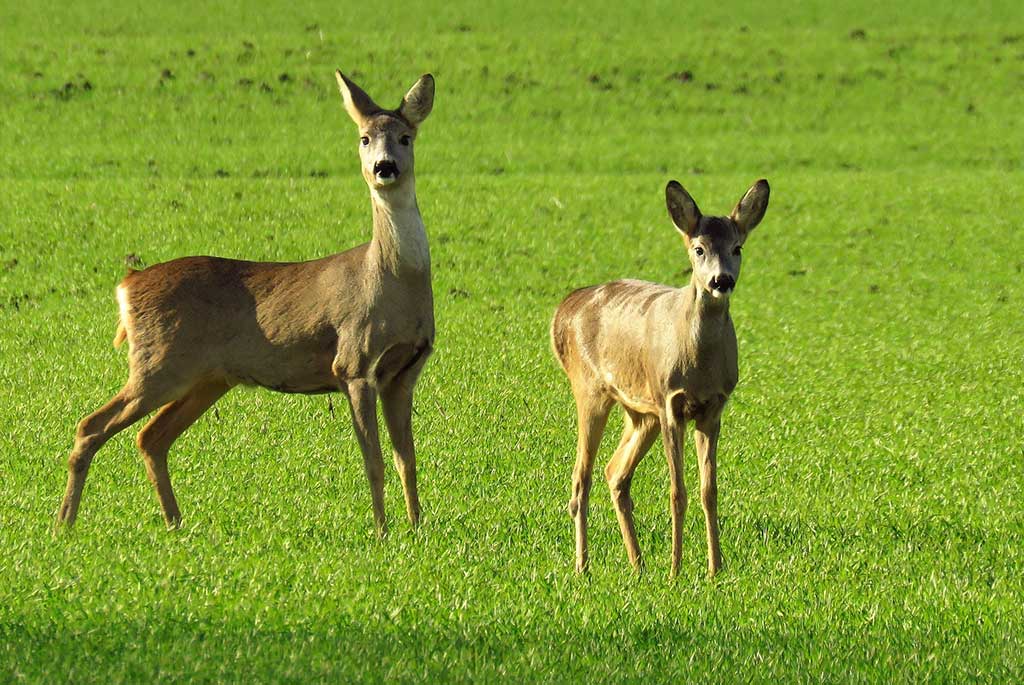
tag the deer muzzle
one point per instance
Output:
(386, 171)
(722, 284)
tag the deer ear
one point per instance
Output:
(358, 104)
(751, 208)
(418, 102)
(681, 207)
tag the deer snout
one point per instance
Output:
(386, 170)
(721, 284)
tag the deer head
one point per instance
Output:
(386, 136)
(714, 244)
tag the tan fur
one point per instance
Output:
(667, 356)
(360, 322)
(120, 335)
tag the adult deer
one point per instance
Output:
(668, 356)
(360, 322)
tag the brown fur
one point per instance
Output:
(667, 356)
(359, 322)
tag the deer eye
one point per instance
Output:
(699, 251)
(405, 140)
(736, 251)
(364, 141)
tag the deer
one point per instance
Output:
(360, 322)
(668, 356)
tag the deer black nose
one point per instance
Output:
(385, 168)
(723, 282)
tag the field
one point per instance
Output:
(871, 464)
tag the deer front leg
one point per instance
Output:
(362, 399)
(705, 436)
(397, 404)
(672, 436)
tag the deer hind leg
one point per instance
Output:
(396, 401)
(362, 399)
(155, 439)
(672, 436)
(124, 409)
(592, 415)
(638, 434)
(706, 439)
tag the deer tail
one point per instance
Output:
(121, 334)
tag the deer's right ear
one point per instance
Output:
(681, 207)
(358, 104)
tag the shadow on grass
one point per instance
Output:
(379, 649)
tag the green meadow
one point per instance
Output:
(871, 468)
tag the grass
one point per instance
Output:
(872, 474)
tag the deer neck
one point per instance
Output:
(705, 318)
(399, 237)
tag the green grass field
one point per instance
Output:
(871, 465)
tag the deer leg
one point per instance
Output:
(156, 438)
(396, 401)
(706, 439)
(362, 399)
(672, 436)
(592, 415)
(638, 433)
(124, 409)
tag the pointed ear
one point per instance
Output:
(418, 102)
(751, 208)
(683, 210)
(357, 103)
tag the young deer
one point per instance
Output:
(668, 356)
(360, 322)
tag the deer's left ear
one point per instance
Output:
(751, 208)
(418, 102)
